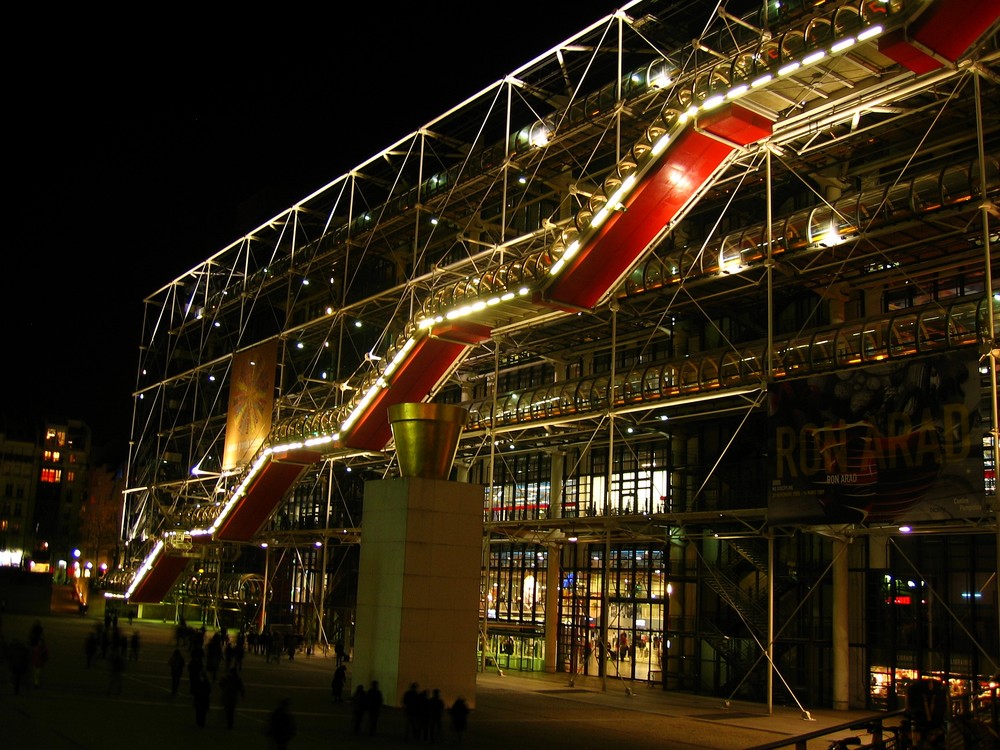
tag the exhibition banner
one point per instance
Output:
(894, 442)
(251, 402)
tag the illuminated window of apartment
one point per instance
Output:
(51, 476)
(70, 476)
(51, 456)
(72, 458)
(52, 435)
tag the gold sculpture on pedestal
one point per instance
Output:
(426, 437)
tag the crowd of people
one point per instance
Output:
(424, 711)
(213, 663)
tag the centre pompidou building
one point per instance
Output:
(723, 316)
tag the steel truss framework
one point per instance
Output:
(856, 229)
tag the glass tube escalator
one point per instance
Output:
(960, 324)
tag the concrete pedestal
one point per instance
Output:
(418, 590)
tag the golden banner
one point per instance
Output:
(251, 402)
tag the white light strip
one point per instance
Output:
(601, 216)
(814, 57)
(362, 405)
(869, 33)
(321, 440)
(613, 202)
(842, 45)
(790, 68)
(240, 492)
(660, 146)
(400, 356)
(147, 565)
(713, 101)
(381, 382)
(573, 249)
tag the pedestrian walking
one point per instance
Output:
(195, 670)
(176, 664)
(202, 699)
(374, 706)
(435, 712)
(39, 658)
(90, 647)
(359, 704)
(281, 726)
(213, 657)
(337, 684)
(18, 661)
(239, 652)
(232, 690)
(459, 718)
(35, 633)
(411, 705)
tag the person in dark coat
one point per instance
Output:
(39, 658)
(202, 699)
(90, 647)
(359, 704)
(337, 684)
(213, 657)
(18, 660)
(281, 726)
(411, 705)
(435, 712)
(459, 717)
(195, 671)
(374, 706)
(232, 690)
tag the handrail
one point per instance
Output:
(799, 741)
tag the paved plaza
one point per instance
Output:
(73, 710)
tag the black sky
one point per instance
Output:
(138, 148)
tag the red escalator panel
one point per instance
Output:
(429, 361)
(164, 574)
(690, 161)
(942, 32)
(265, 493)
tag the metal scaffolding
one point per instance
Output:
(619, 250)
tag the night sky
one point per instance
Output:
(138, 148)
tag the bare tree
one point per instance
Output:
(101, 516)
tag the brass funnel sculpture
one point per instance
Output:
(426, 437)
